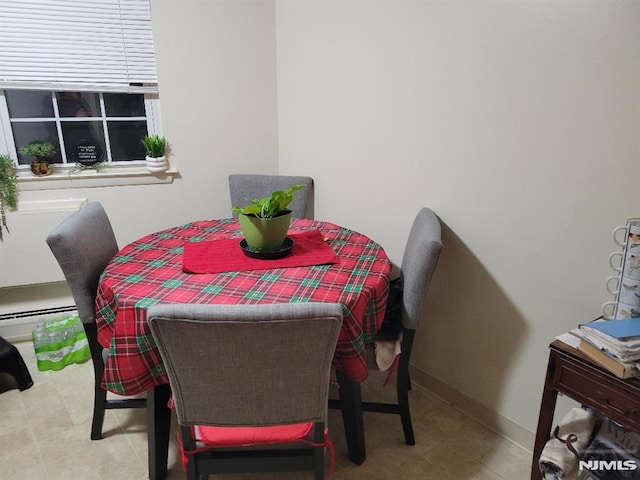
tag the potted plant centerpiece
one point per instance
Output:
(265, 222)
(8, 190)
(43, 152)
(156, 159)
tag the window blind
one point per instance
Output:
(88, 45)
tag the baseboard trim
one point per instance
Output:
(474, 409)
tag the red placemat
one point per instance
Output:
(218, 256)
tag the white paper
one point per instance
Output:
(569, 339)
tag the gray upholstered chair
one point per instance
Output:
(246, 187)
(240, 374)
(83, 245)
(418, 264)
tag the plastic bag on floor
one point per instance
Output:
(59, 343)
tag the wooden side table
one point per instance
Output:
(571, 372)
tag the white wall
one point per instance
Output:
(217, 78)
(517, 122)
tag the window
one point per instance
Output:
(84, 127)
(80, 75)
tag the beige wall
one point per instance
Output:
(217, 78)
(517, 122)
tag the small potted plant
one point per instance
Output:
(265, 222)
(8, 190)
(156, 159)
(43, 152)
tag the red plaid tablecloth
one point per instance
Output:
(149, 271)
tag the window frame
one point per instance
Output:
(7, 141)
(55, 57)
(66, 175)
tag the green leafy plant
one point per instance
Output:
(8, 190)
(79, 168)
(269, 207)
(40, 150)
(155, 145)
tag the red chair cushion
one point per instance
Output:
(235, 436)
(220, 437)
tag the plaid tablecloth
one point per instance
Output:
(149, 271)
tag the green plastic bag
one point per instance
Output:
(59, 343)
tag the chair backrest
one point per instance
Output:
(84, 243)
(246, 187)
(247, 365)
(418, 264)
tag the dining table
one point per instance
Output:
(204, 262)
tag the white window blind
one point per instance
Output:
(91, 45)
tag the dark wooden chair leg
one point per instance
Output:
(403, 385)
(99, 395)
(318, 453)
(158, 427)
(405, 413)
(99, 405)
(318, 472)
(352, 417)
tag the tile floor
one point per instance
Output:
(44, 434)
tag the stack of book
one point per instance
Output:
(614, 344)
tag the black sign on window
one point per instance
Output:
(88, 153)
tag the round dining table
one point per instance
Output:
(352, 271)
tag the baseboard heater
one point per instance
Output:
(29, 226)
(16, 326)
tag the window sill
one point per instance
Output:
(109, 177)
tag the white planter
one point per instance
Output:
(157, 164)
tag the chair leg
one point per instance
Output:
(99, 406)
(403, 385)
(158, 427)
(352, 418)
(318, 471)
(405, 413)
(318, 452)
(192, 470)
(99, 395)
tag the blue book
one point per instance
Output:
(620, 329)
